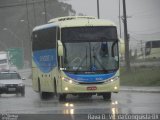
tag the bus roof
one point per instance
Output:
(70, 18)
(41, 27)
(75, 21)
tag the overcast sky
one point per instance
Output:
(143, 21)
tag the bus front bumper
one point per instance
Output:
(112, 86)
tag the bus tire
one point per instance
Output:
(43, 95)
(62, 97)
(107, 96)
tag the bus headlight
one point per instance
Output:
(114, 79)
(70, 81)
(67, 80)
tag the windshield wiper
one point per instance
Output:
(85, 58)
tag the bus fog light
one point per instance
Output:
(71, 111)
(111, 80)
(66, 88)
(115, 87)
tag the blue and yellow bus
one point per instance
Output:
(76, 55)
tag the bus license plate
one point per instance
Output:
(11, 89)
(92, 88)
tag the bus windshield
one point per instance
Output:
(91, 55)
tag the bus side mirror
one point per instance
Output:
(60, 48)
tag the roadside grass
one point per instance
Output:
(140, 76)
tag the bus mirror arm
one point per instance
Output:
(60, 48)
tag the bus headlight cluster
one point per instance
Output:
(67, 80)
(69, 105)
(115, 103)
(113, 79)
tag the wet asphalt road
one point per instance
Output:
(121, 103)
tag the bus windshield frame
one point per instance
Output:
(98, 54)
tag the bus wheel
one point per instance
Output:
(62, 97)
(107, 96)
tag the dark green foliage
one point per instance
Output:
(12, 12)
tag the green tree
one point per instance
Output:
(13, 14)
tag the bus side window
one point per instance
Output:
(44, 39)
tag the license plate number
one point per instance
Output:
(92, 88)
(11, 89)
